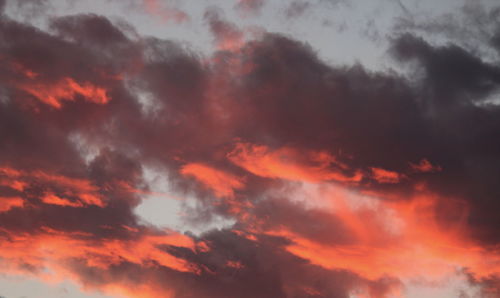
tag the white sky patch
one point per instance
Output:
(324, 195)
(327, 195)
(492, 99)
(452, 286)
(87, 150)
(22, 287)
(150, 106)
(162, 207)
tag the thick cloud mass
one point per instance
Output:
(340, 181)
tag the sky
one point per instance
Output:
(249, 148)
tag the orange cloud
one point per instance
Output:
(142, 291)
(290, 164)
(65, 89)
(85, 192)
(424, 166)
(92, 199)
(221, 183)
(10, 172)
(21, 69)
(52, 199)
(404, 239)
(7, 203)
(385, 176)
(63, 181)
(14, 184)
(109, 252)
(235, 264)
(51, 249)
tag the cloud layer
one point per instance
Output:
(341, 181)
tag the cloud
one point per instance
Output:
(223, 184)
(66, 89)
(287, 163)
(339, 180)
(156, 9)
(297, 8)
(227, 36)
(425, 167)
(249, 7)
(451, 72)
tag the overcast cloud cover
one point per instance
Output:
(249, 148)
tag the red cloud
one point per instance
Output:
(7, 203)
(66, 89)
(55, 200)
(83, 191)
(385, 176)
(221, 183)
(401, 238)
(288, 163)
(424, 167)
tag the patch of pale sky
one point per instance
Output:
(23, 287)
(163, 207)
